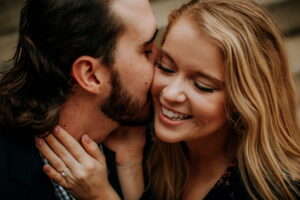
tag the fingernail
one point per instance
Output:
(39, 141)
(44, 134)
(46, 168)
(87, 139)
(56, 129)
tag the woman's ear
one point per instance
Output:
(89, 73)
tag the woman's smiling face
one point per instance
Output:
(188, 87)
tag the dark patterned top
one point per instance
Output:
(228, 187)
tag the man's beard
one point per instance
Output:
(121, 107)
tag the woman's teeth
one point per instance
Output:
(174, 115)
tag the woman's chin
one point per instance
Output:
(164, 137)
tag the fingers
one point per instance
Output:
(55, 176)
(49, 155)
(92, 148)
(70, 144)
(81, 176)
(57, 155)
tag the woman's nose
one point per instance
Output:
(174, 92)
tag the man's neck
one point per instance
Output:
(80, 116)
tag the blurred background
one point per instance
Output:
(286, 13)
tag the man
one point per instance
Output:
(86, 65)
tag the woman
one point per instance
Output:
(225, 107)
(231, 87)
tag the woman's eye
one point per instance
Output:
(204, 88)
(164, 69)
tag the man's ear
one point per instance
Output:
(88, 72)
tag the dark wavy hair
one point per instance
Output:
(52, 35)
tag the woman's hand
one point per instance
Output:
(81, 172)
(128, 144)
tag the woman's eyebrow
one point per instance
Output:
(168, 56)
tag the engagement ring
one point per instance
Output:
(64, 173)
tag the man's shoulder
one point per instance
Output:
(16, 152)
(21, 169)
(4, 143)
(9, 138)
(5, 140)
(12, 148)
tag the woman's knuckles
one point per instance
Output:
(90, 166)
(82, 175)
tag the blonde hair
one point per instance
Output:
(262, 103)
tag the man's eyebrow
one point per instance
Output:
(152, 38)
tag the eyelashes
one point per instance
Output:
(164, 69)
(197, 85)
(203, 89)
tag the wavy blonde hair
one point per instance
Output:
(262, 103)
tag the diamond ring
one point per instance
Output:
(64, 173)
